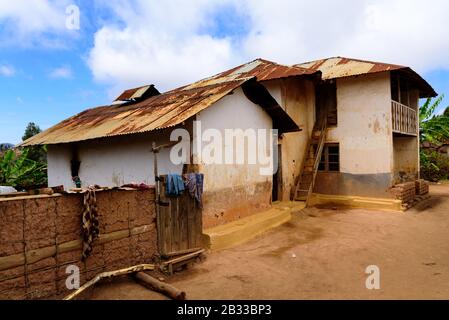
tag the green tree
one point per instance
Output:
(433, 127)
(36, 153)
(31, 130)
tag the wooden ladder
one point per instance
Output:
(306, 181)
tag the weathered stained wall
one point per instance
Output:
(406, 150)
(297, 97)
(41, 236)
(406, 159)
(365, 137)
(111, 162)
(232, 191)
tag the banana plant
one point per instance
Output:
(17, 170)
(433, 127)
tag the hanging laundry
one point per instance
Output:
(194, 183)
(175, 185)
(90, 228)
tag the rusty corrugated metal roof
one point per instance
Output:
(265, 70)
(164, 110)
(340, 67)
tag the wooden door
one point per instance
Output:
(179, 223)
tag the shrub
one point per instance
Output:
(434, 165)
(18, 171)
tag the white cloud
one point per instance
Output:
(159, 44)
(64, 72)
(164, 42)
(32, 22)
(7, 70)
(411, 32)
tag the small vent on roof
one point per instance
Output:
(138, 94)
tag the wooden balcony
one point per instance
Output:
(405, 119)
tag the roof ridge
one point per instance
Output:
(352, 59)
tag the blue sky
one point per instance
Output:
(49, 73)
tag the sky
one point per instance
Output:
(52, 67)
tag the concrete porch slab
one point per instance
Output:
(242, 230)
(356, 202)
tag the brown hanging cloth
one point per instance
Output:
(90, 221)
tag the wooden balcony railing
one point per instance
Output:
(405, 119)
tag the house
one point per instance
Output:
(111, 145)
(372, 140)
(344, 128)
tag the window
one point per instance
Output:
(330, 158)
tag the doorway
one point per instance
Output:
(276, 193)
(326, 99)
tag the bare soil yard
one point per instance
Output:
(322, 254)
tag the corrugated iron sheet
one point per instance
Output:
(161, 111)
(265, 70)
(157, 112)
(339, 67)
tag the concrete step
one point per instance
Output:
(242, 230)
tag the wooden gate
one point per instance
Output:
(179, 223)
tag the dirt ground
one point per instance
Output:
(323, 254)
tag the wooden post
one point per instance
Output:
(109, 274)
(159, 286)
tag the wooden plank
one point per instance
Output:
(40, 196)
(181, 252)
(110, 274)
(175, 230)
(166, 231)
(168, 228)
(191, 224)
(183, 225)
(183, 258)
(197, 225)
(165, 212)
(162, 247)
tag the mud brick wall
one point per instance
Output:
(405, 192)
(41, 236)
(421, 187)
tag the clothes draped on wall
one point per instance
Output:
(90, 228)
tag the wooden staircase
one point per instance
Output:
(306, 181)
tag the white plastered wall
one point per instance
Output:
(364, 124)
(111, 162)
(233, 111)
